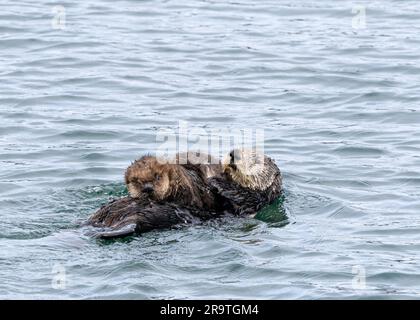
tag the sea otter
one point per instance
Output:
(250, 180)
(169, 182)
(163, 195)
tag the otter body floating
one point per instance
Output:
(164, 195)
(128, 216)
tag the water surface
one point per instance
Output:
(339, 106)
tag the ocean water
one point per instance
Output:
(86, 86)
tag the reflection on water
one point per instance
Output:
(274, 214)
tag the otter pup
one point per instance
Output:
(163, 195)
(169, 182)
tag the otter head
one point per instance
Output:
(148, 177)
(250, 169)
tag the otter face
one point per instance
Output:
(249, 169)
(148, 177)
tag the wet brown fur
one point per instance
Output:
(127, 216)
(170, 182)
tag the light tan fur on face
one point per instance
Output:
(250, 169)
(148, 171)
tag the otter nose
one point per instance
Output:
(148, 188)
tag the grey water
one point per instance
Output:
(86, 85)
